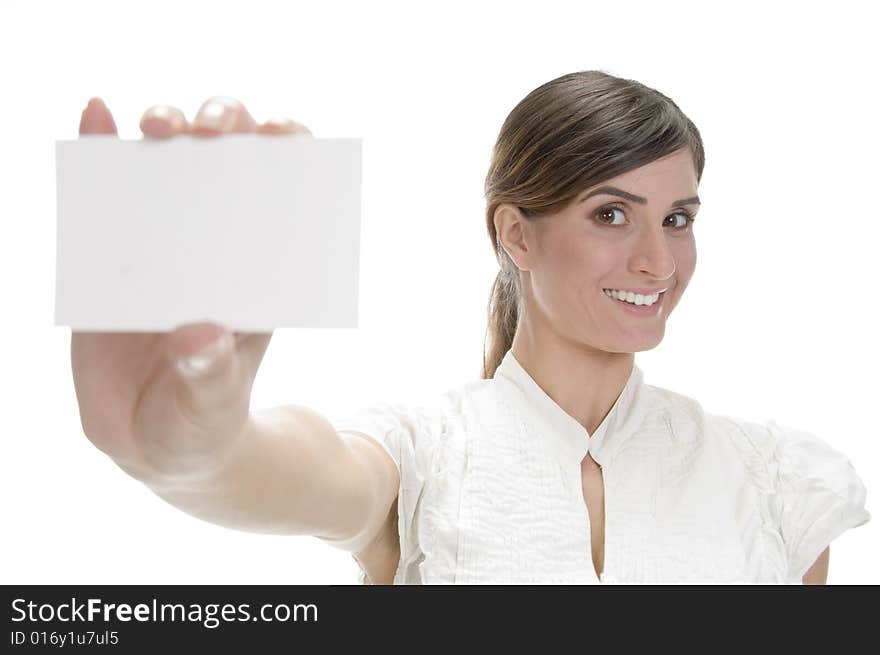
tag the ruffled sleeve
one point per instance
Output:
(405, 434)
(819, 492)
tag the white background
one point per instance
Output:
(779, 321)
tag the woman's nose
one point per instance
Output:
(654, 255)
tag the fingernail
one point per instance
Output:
(215, 115)
(203, 360)
(163, 121)
(170, 114)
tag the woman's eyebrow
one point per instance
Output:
(614, 191)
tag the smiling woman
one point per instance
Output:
(562, 464)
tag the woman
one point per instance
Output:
(561, 465)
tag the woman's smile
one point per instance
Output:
(638, 310)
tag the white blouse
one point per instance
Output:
(491, 491)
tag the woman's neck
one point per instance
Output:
(584, 382)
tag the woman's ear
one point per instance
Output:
(511, 230)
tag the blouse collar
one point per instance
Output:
(568, 436)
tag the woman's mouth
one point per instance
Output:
(638, 310)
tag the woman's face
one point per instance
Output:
(603, 241)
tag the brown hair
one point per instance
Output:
(567, 135)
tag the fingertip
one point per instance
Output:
(283, 126)
(188, 338)
(153, 128)
(222, 115)
(163, 122)
(96, 118)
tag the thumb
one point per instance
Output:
(214, 394)
(96, 119)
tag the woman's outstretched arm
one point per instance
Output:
(291, 472)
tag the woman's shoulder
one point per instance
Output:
(816, 490)
(800, 459)
(811, 488)
(785, 450)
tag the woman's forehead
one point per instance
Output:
(668, 180)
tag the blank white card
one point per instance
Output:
(254, 232)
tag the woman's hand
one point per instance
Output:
(167, 405)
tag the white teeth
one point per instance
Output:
(634, 298)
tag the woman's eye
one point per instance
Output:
(604, 212)
(605, 215)
(686, 220)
